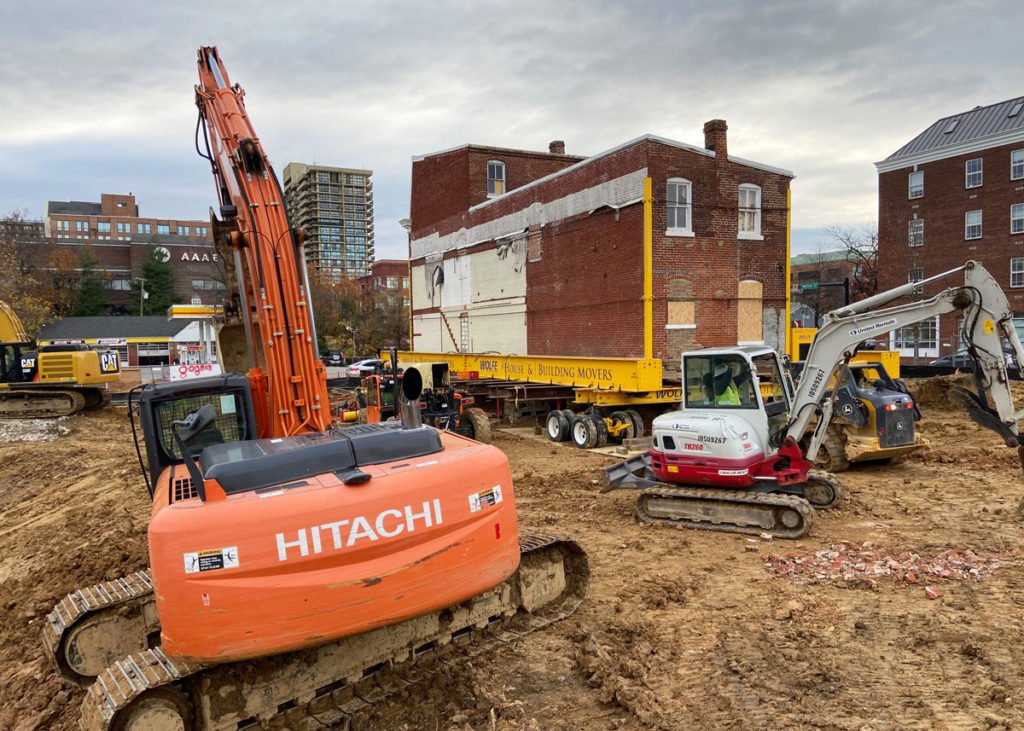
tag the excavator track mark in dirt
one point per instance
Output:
(149, 689)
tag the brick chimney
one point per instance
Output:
(714, 138)
(557, 147)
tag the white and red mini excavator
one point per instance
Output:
(729, 459)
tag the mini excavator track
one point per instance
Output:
(147, 689)
(732, 511)
(785, 512)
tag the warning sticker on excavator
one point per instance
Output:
(211, 560)
(990, 327)
(487, 497)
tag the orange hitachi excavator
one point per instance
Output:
(298, 572)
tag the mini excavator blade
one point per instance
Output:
(630, 474)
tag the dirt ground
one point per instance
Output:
(681, 629)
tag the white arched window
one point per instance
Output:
(678, 208)
(495, 178)
(750, 211)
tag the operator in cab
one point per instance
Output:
(726, 391)
(727, 383)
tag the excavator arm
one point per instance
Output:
(290, 396)
(11, 329)
(987, 316)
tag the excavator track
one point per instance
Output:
(314, 688)
(91, 627)
(33, 403)
(731, 511)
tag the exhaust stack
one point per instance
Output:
(409, 399)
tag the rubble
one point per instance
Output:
(860, 565)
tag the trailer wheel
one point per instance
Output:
(623, 418)
(558, 426)
(638, 422)
(477, 424)
(584, 432)
(601, 430)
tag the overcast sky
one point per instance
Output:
(97, 97)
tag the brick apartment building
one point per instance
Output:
(390, 276)
(389, 281)
(953, 193)
(542, 253)
(122, 239)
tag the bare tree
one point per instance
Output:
(861, 247)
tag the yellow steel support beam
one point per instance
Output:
(648, 270)
(666, 396)
(789, 194)
(615, 374)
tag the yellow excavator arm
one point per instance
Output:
(11, 329)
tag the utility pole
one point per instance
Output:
(142, 295)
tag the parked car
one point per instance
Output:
(334, 359)
(361, 368)
(960, 360)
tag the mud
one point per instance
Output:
(681, 629)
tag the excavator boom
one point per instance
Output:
(290, 395)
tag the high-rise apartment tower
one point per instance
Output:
(334, 206)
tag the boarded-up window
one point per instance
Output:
(749, 327)
(681, 313)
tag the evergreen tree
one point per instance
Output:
(159, 285)
(93, 286)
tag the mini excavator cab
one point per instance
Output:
(749, 381)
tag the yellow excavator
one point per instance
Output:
(54, 380)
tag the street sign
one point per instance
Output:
(809, 285)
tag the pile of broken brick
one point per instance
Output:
(862, 566)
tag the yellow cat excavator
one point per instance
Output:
(54, 380)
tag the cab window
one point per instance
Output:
(718, 381)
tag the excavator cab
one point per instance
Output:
(161, 405)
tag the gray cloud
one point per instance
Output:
(98, 97)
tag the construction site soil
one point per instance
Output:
(681, 629)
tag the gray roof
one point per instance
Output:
(73, 208)
(83, 328)
(970, 125)
(823, 256)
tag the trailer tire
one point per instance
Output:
(584, 432)
(638, 422)
(601, 429)
(623, 418)
(478, 423)
(557, 425)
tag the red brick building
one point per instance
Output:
(953, 193)
(122, 239)
(390, 276)
(542, 253)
